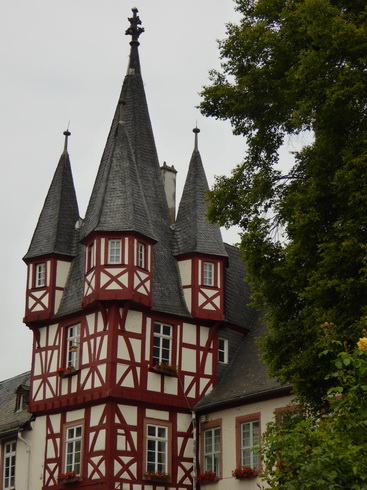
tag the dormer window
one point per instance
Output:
(22, 398)
(208, 274)
(141, 255)
(40, 275)
(114, 251)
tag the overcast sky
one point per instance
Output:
(65, 61)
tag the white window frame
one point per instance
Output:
(157, 439)
(73, 346)
(141, 255)
(40, 275)
(222, 350)
(73, 448)
(208, 273)
(9, 465)
(90, 259)
(211, 451)
(162, 343)
(249, 456)
(114, 251)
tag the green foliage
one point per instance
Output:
(329, 451)
(292, 66)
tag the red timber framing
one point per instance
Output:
(41, 297)
(131, 279)
(115, 354)
(114, 448)
(207, 301)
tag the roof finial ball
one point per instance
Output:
(196, 131)
(134, 30)
(66, 134)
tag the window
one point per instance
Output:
(90, 256)
(114, 251)
(141, 255)
(73, 346)
(40, 275)
(73, 448)
(223, 350)
(22, 398)
(208, 274)
(250, 434)
(9, 465)
(162, 343)
(212, 450)
(157, 448)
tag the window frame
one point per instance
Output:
(255, 457)
(73, 346)
(224, 350)
(114, 258)
(141, 255)
(13, 461)
(157, 423)
(161, 337)
(211, 275)
(204, 428)
(39, 279)
(75, 424)
(90, 256)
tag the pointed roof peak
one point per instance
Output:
(134, 31)
(66, 134)
(196, 130)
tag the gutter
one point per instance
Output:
(28, 452)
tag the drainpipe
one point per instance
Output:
(194, 458)
(28, 452)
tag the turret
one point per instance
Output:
(200, 250)
(53, 245)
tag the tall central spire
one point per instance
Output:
(134, 31)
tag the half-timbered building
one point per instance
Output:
(144, 357)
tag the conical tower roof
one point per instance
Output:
(194, 233)
(55, 231)
(130, 155)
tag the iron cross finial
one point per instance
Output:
(134, 30)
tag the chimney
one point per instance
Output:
(169, 182)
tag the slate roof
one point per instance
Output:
(246, 376)
(119, 203)
(130, 152)
(9, 419)
(237, 291)
(55, 230)
(193, 232)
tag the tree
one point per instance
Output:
(289, 67)
(329, 451)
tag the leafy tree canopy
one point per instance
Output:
(303, 452)
(288, 67)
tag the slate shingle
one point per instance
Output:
(55, 230)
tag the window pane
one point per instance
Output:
(157, 443)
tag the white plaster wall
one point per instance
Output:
(133, 321)
(228, 435)
(62, 271)
(29, 459)
(185, 272)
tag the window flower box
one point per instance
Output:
(245, 473)
(66, 371)
(68, 478)
(165, 368)
(207, 477)
(159, 476)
